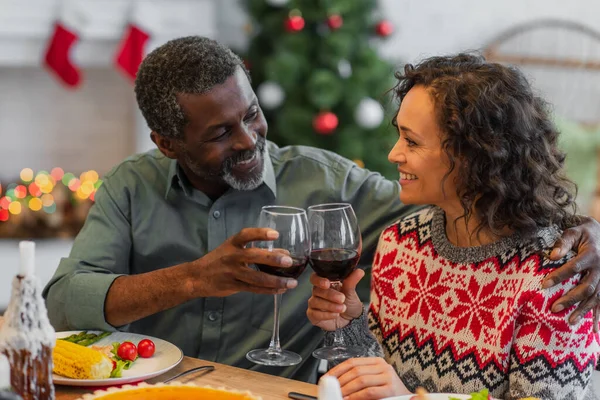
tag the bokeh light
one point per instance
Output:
(74, 184)
(47, 200)
(21, 192)
(34, 190)
(67, 178)
(26, 174)
(42, 179)
(40, 191)
(57, 173)
(87, 188)
(92, 176)
(35, 204)
(14, 208)
(50, 209)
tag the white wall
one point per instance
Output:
(47, 256)
(43, 126)
(432, 27)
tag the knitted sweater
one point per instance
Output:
(457, 320)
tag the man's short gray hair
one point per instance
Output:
(187, 65)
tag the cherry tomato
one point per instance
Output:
(146, 348)
(127, 351)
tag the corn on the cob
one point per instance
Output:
(79, 362)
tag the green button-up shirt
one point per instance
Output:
(147, 216)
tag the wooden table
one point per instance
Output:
(268, 387)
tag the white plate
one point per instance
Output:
(433, 396)
(166, 357)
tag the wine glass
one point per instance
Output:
(293, 240)
(335, 252)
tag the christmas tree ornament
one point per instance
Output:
(325, 122)
(131, 50)
(344, 69)
(294, 23)
(369, 113)
(335, 21)
(277, 3)
(270, 94)
(384, 28)
(58, 55)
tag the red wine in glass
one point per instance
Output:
(297, 268)
(336, 245)
(334, 264)
(293, 240)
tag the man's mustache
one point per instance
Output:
(245, 155)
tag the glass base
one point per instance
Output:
(274, 358)
(333, 353)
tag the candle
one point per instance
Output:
(27, 250)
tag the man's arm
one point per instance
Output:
(585, 240)
(93, 288)
(222, 272)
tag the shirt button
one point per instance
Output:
(213, 316)
(217, 214)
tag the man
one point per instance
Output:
(163, 251)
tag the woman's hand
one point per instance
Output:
(585, 240)
(368, 378)
(326, 305)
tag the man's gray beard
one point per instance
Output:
(228, 177)
(249, 184)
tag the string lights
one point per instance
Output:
(35, 190)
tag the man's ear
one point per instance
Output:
(166, 145)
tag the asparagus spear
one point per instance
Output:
(85, 339)
(75, 337)
(93, 340)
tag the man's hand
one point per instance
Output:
(327, 304)
(585, 240)
(368, 379)
(224, 271)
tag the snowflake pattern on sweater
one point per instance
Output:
(457, 320)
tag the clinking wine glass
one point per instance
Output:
(292, 225)
(336, 245)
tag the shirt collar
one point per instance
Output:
(176, 176)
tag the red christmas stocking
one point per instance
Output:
(131, 51)
(58, 58)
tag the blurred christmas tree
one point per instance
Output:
(319, 78)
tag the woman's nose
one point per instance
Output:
(396, 155)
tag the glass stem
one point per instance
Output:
(275, 346)
(338, 340)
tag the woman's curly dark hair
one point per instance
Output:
(510, 170)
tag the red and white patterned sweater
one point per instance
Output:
(458, 320)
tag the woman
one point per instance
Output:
(457, 302)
